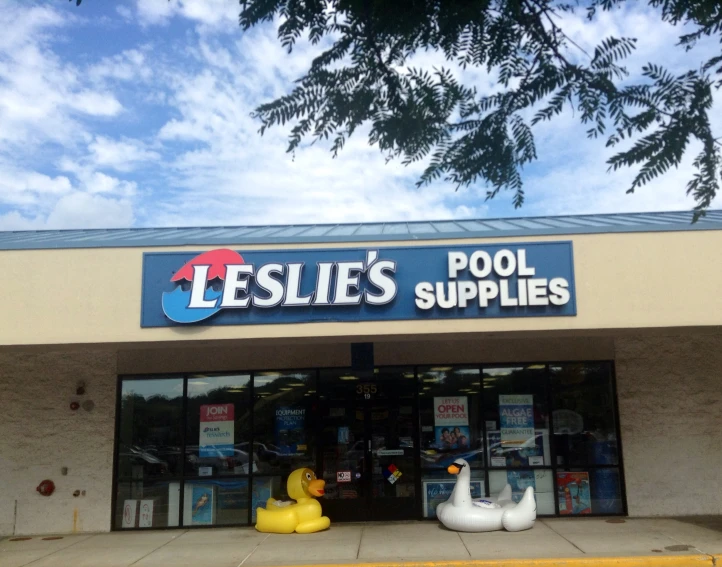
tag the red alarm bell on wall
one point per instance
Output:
(46, 488)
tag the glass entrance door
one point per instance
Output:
(367, 445)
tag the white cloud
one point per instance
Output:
(218, 14)
(90, 211)
(126, 66)
(27, 188)
(121, 155)
(42, 96)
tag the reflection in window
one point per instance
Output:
(584, 423)
(516, 415)
(218, 427)
(150, 429)
(283, 421)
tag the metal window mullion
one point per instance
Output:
(184, 433)
(484, 444)
(251, 447)
(552, 445)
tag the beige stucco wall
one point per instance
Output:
(39, 435)
(670, 407)
(623, 281)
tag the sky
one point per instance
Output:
(136, 113)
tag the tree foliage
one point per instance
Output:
(470, 136)
(467, 136)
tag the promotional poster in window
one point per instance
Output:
(290, 430)
(452, 434)
(573, 493)
(436, 492)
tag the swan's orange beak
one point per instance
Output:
(316, 487)
(454, 469)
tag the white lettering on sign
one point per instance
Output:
(345, 290)
(517, 286)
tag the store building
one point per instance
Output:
(175, 377)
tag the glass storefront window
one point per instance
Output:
(591, 491)
(284, 421)
(209, 449)
(150, 429)
(516, 416)
(146, 504)
(542, 480)
(449, 399)
(265, 487)
(218, 426)
(584, 421)
(215, 502)
(437, 485)
(449, 404)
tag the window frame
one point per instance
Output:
(487, 468)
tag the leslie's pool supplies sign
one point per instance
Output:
(227, 287)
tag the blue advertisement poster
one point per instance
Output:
(438, 491)
(516, 419)
(202, 505)
(290, 430)
(520, 481)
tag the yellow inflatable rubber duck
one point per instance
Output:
(304, 516)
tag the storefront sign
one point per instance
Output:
(225, 287)
(216, 431)
(343, 476)
(516, 417)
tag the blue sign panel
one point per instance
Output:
(228, 287)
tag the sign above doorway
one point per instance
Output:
(225, 287)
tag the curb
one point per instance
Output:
(605, 561)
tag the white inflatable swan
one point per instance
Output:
(462, 514)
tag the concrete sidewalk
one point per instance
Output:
(552, 542)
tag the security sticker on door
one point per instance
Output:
(343, 476)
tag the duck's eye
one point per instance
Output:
(308, 475)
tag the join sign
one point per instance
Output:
(217, 431)
(228, 287)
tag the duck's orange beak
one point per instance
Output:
(315, 487)
(453, 469)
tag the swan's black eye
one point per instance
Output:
(459, 465)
